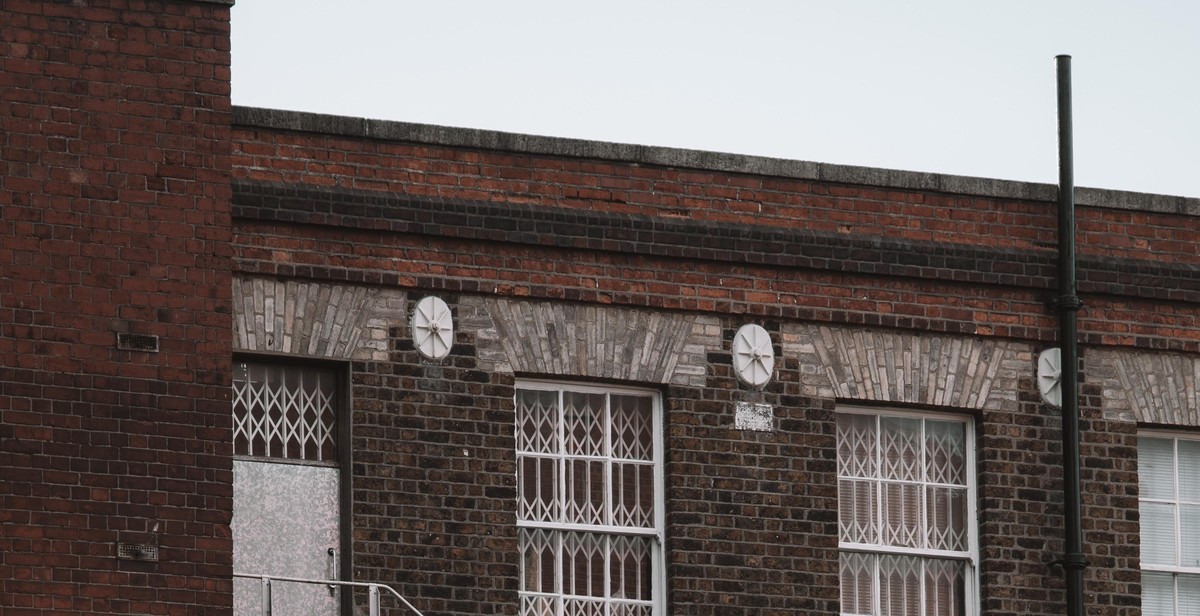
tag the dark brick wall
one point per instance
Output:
(1108, 452)
(434, 479)
(751, 522)
(751, 516)
(1021, 509)
(114, 218)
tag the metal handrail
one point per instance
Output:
(372, 589)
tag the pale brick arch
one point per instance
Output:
(895, 366)
(1151, 388)
(313, 319)
(590, 341)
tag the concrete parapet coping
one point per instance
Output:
(701, 160)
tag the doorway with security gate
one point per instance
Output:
(289, 474)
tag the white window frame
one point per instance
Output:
(970, 556)
(1174, 570)
(656, 534)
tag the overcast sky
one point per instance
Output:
(950, 86)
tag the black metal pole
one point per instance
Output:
(1068, 305)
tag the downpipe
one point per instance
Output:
(1068, 305)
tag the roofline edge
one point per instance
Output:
(432, 134)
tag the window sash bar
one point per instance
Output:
(640, 531)
(872, 548)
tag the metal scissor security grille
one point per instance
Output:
(588, 483)
(904, 494)
(284, 411)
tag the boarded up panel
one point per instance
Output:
(285, 520)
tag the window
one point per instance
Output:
(284, 411)
(906, 495)
(590, 502)
(1169, 480)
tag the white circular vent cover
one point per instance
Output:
(1049, 376)
(432, 328)
(753, 356)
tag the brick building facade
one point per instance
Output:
(580, 416)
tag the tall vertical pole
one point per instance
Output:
(1068, 305)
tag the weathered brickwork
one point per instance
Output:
(114, 219)
(752, 515)
(908, 368)
(590, 341)
(315, 320)
(1157, 389)
(434, 477)
(897, 297)
(736, 268)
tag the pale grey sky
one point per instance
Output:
(950, 86)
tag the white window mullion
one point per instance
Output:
(608, 517)
(1176, 493)
(1175, 578)
(877, 479)
(924, 499)
(877, 591)
(559, 607)
(880, 518)
(560, 435)
(922, 567)
(608, 554)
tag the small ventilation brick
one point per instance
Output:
(137, 342)
(137, 551)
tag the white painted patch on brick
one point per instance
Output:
(755, 417)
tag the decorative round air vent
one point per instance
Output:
(753, 355)
(432, 328)
(1049, 376)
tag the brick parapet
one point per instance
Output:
(698, 160)
(919, 253)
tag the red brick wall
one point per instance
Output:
(1135, 266)
(114, 218)
(423, 170)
